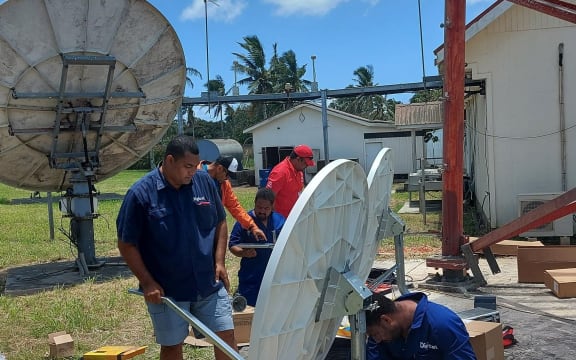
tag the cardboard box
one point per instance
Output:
(486, 339)
(533, 261)
(243, 325)
(510, 247)
(562, 282)
(61, 345)
(242, 328)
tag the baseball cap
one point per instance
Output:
(229, 163)
(305, 153)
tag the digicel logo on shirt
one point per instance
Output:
(428, 346)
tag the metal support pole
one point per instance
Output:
(358, 335)
(50, 214)
(82, 221)
(180, 122)
(452, 206)
(325, 126)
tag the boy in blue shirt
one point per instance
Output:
(254, 261)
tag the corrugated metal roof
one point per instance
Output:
(430, 113)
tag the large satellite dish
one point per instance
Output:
(85, 85)
(333, 227)
(325, 229)
(380, 179)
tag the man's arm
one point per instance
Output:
(236, 238)
(221, 241)
(152, 290)
(231, 203)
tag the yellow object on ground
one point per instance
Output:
(114, 353)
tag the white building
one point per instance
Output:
(349, 137)
(520, 134)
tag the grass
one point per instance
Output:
(98, 314)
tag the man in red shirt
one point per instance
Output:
(287, 178)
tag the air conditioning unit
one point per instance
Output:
(559, 227)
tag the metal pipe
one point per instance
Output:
(50, 214)
(562, 115)
(358, 335)
(325, 126)
(400, 265)
(198, 325)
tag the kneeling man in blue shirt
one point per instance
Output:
(254, 261)
(411, 327)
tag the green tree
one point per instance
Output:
(374, 107)
(190, 71)
(426, 96)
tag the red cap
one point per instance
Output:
(306, 153)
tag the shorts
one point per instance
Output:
(214, 311)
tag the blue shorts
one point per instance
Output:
(214, 311)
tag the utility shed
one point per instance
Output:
(349, 137)
(520, 136)
(427, 118)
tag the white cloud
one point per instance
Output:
(309, 7)
(218, 10)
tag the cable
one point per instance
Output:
(521, 138)
(421, 46)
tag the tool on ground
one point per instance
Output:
(114, 353)
(198, 325)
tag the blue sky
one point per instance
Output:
(343, 34)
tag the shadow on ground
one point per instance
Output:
(31, 279)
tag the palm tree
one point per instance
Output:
(192, 72)
(253, 65)
(217, 85)
(187, 110)
(371, 106)
(292, 73)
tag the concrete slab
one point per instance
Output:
(413, 207)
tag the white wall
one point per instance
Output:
(345, 138)
(518, 54)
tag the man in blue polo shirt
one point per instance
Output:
(172, 234)
(411, 327)
(254, 261)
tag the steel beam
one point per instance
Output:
(549, 211)
(429, 83)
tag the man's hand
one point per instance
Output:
(222, 275)
(248, 253)
(258, 234)
(153, 292)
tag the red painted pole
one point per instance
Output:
(453, 136)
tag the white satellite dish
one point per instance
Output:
(380, 179)
(325, 230)
(83, 81)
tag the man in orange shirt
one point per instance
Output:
(219, 170)
(287, 178)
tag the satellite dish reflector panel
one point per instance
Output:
(325, 230)
(380, 179)
(113, 69)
